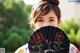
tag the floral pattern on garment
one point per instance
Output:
(23, 49)
(73, 49)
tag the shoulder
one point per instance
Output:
(23, 49)
(73, 49)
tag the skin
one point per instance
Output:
(49, 19)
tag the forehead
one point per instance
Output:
(51, 13)
(45, 11)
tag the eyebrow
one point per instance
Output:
(40, 17)
(49, 17)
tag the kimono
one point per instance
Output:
(24, 49)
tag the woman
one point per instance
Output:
(45, 13)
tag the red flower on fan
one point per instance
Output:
(41, 37)
(35, 39)
(38, 37)
(59, 36)
(58, 41)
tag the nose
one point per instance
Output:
(46, 24)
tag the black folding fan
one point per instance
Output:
(48, 39)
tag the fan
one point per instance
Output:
(48, 39)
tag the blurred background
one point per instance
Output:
(14, 24)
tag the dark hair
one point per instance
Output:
(42, 8)
(54, 2)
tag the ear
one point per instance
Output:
(59, 22)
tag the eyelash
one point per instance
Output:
(40, 20)
(51, 20)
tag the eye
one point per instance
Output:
(39, 20)
(51, 20)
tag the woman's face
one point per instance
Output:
(49, 19)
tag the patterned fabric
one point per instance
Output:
(24, 49)
(73, 49)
